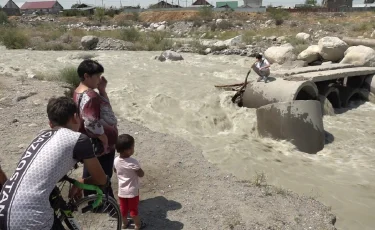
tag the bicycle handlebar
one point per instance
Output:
(91, 187)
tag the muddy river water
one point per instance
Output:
(179, 98)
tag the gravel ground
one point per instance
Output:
(180, 190)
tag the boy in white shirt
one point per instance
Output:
(128, 172)
(263, 67)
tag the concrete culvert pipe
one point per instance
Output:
(355, 82)
(348, 94)
(369, 84)
(300, 122)
(258, 94)
(332, 93)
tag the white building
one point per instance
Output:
(253, 3)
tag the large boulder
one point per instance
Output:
(280, 54)
(89, 42)
(303, 36)
(161, 28)
(359, 55)
(300, 122)
(236, 41)
(310, 54)
(332, 48)
(170, 55)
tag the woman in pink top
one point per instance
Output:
(128, 172)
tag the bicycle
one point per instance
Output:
(96, 205)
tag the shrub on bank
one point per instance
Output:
(3, 17)
(13, 38)
(131, 34)
(279, 15)
(299, 45)
(206, 13)
(69, 75)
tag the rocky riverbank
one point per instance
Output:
(218, 34)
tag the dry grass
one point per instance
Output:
(260, 179)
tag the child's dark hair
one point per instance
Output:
(60, 110)
(258, 56)
(124, 142)
(90, 67)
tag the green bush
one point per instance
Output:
(248, 36)
(3, 17)
(131, 34)
(279, 15)
(70, 76)
(13, 38)
(157, 41)
(74, 12)
(206, 13)
(299, 45)
(100, 13)
(224, 25)
(136, 16)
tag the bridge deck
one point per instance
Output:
(288, 72)
(331, 74)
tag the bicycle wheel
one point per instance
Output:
(106, 216)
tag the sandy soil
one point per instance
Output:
(181, 190)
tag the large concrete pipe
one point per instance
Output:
(300, 122)
(355, 82)
(369, 84)
(330, 92)
(359, 41)
(348, 94)
(329, 96)
(258, 94)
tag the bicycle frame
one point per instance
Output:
(67, 209)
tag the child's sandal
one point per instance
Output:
(127, 226)
(143, 225)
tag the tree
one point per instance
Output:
(100, 13)
(311, 2)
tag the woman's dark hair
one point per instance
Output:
(60, 110)
(124, 142)
(90, 67)
(258, 56)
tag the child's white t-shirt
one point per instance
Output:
(128, 180)
(262, 63)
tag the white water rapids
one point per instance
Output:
(179, 98)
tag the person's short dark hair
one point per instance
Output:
(124, 142)
(60, 110)
(90, 67)
(258, 56)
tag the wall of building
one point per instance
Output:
(56, 8)
(231, 4)
(249, 10)
(339, 3)
(253, 3)
(11, 9)
(11, 5)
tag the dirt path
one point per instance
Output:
(181, 190)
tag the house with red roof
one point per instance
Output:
(46, 7)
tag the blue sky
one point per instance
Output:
(68, 3)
